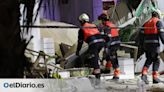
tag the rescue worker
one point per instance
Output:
(90, 34)
(149, 39)
(111, 46)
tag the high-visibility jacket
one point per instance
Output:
(89, 30)
(113, 31)
(151, 26)
(151, 31)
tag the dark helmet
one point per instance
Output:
(103, 16)
(156, 13)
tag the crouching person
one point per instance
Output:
(90, 34)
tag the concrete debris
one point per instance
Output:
(85, 84)
(64, 48)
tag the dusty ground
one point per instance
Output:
(131, 85)
(84, 84)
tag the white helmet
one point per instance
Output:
(84, 17)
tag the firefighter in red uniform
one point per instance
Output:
(90, 34)
(149, 39)
(112, 46)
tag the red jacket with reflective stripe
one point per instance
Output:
(151, 34)
(151, 23)
(114, 31)
(89, 31)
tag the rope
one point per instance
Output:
(47, 26)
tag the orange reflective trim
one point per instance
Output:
(117, 72)
(144, 70)
(89, 31)
(155, 74)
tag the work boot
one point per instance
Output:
(144, 75)
(116, 74)
(115, 78)
(156, 80)
(144, 78)
(97, 79)
(97, 74)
